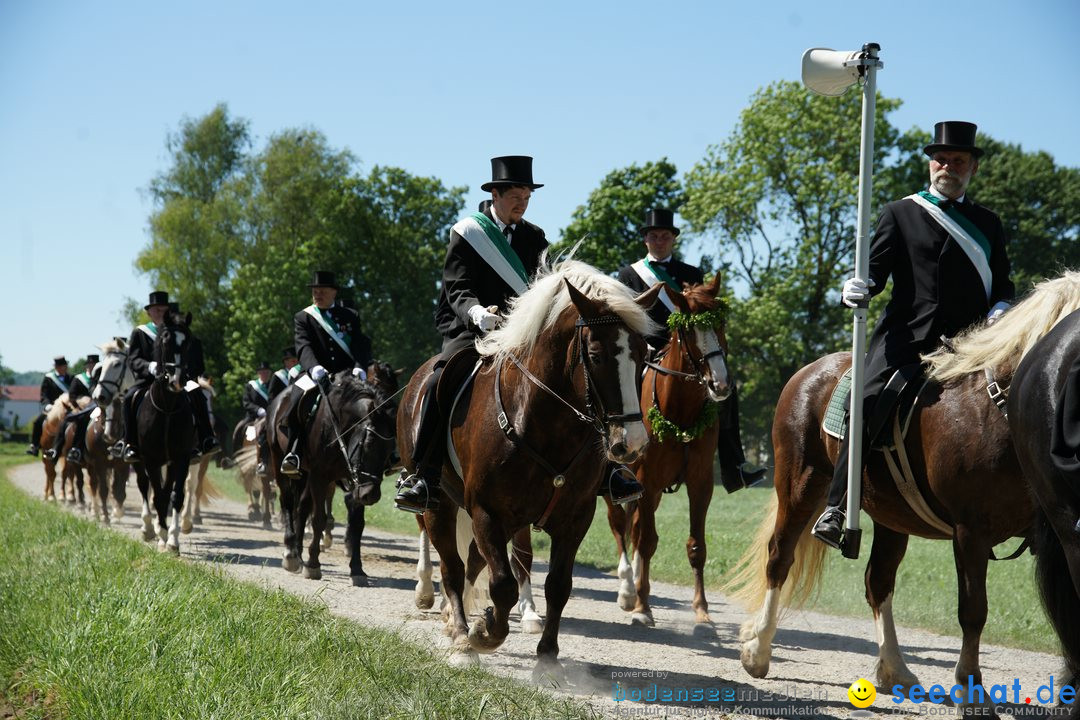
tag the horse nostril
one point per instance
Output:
(619, 449)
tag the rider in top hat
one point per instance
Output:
(661, 265)
(947, 258)
(282, 377)
(328, 340)
(257, 393)
(81, 386)
(491, 256)
(55, 383)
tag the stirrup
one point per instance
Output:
(829, 527)
(130, 454)
(74, 455)
(409, 498)
(290, 465)
(629, 481)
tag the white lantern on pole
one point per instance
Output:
(832, 72)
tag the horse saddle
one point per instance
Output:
(897, 401)
(454, 384)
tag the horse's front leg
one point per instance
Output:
(971, 551)
(313, 503)
(619, 519)
(190, 497)
(700, 495)
(353, 535)
(177, 474)
(645, 541)
(288, 487)
(560, 580)
(885, 556)
(489, 632)
(328, 511)
(424, 595)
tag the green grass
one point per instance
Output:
(94, 625)
(925, 587)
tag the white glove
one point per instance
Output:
(152, 367)
(855, 291)
(48, 407)
(360, 373)
(997, 311)
(482, 319)
(261, 412)
(317, 373)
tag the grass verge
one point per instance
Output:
(95, 625)
(926, 590)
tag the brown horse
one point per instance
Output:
(533, 434)
(105, 429)
(962, 457)
(53, 422)
(1033, 405)
(681, 389)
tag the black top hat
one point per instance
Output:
(289, 352)
(511, 170)
(484, 205)
(174, 307)
(659, 219)
(323, 278)
(158, 297)
(954, 135)
(92, 359)
(59, 360)
(263, 365)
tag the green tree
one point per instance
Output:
(607, 223)
(196, 226)
(778, 200)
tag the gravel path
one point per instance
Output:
(815, 657)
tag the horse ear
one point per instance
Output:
(584, 305)
(713, 286)
(187, 319)
(678, 298)
(648, 298)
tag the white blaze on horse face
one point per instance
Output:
(718, 385)
(632, 434)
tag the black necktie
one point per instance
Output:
(507, 230)
(665, 266)
(946, 204)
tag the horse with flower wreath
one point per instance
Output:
(680, 396)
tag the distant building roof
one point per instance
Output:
(22, 393)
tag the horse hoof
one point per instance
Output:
(312, 573)
(532, 626)
(118, 512)
(424, 597)
(346, 549)
(480, 637)
(361, 581)
(464, 659)
(642, 618)
(549, 673)
(886, 678)
(754, 666)
(161, 546)
(267, 525)
(291, 563)
(704, 630)
(148, 534)
(185, 526)
(173, 548)
(327, 541)
(627, 601)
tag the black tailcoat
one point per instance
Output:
(681, 273)
(314, 346)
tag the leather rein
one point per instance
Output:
(591, 417)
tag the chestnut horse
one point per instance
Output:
(681, 389)
(556, 397)
(1033, 404)
(961, 455)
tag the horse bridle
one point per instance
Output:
(699, 364)
(605, 418)
(115, 384)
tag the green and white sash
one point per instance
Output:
(283, 376)
(85, 378)
(57, 380)
(294, 372)
(313, 311)
(650, 275)
(259, 388)
(492, 247)
(977, 252)
(150, 329)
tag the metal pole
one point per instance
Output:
(852, 534)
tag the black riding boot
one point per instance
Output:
(420, 491)
(200, 412)
(78, 443)
(129, 451)
(735, 472)
(53, 453)
(35, 435)
(620, 484)
(290, 464)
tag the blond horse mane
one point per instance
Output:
(539, 307)
(1001, 346)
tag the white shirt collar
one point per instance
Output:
(655, 259)
(499, 222)
(934, 191)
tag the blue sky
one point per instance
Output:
(88, 92)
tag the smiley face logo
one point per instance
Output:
(861, 693)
